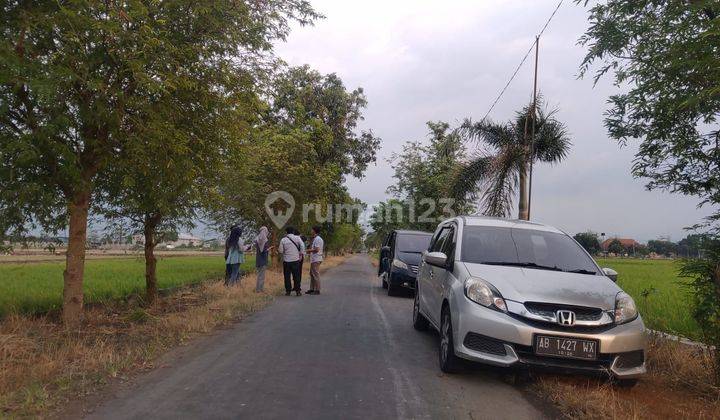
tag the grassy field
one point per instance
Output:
(663, 300)
(37, 287)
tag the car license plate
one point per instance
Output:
(573, 348)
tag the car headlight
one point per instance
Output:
(399, 264)
(625, 309)
(480, 291)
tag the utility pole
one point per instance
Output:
(532, 132)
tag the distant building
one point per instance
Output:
(184, 240)
(630, 245)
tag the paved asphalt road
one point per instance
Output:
(348, 353)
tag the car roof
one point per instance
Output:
(412, 232)
(508, 223)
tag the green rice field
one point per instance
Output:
(664, 302)
(37, 287)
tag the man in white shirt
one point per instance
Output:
(316, 257)
(290, 250)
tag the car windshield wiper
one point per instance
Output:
(523, 264)
(582, 271)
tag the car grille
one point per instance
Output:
(413, 268)
(582, 313)
(550, 326)
(484, 344)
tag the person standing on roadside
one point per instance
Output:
(262, 249)
(290, 250)
(234, 256)
(316, 257)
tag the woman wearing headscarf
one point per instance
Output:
(262, 248)
(233, 256)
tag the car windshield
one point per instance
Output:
(413, 243)
(524, 248)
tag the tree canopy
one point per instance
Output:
(664, 56)
(423, 176)
(589, 241)
(305, 142)
(78, 81)
(500, 167)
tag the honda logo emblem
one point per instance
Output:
(566, 317)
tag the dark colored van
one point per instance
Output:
(400, 257)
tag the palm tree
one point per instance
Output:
(500, 167)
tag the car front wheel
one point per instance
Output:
(391, 290)
(449, 362)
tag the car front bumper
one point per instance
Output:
(621, 348)
(403, 278)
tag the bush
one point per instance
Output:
(704, 275)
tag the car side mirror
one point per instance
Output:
(612, 274)
(438, 259)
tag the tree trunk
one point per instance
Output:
(151, 288)
(75, 259)
(523, 210)
(523, 203)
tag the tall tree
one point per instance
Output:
(589, 241)
(662, 247)
(500, 168)
(388, 215)
(691, 245)
(74, 77)
(423, 176)
(303, 97)
(665, 55)
(665, 52)
(305, 143)
(616, 247)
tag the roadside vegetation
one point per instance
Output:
(150, 117)
(658, 290)
(668, 50)
(34, 288)
(679, 384)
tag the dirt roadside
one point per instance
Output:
(45, 370)
(679, 384)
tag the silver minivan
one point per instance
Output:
(516, 293)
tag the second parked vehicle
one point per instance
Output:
(400, 257)
(509, 293)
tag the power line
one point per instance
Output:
(502, 92)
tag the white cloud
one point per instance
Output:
(431, 60)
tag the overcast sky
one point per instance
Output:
(424, 60)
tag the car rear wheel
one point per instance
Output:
(420, 323)
(449, 362)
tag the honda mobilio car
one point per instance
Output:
(516, 293)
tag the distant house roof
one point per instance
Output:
(625, 242)
(188, 237)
